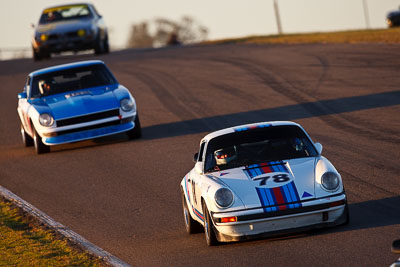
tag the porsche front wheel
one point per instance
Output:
(40, 148)
(211, 238)
(191, 225)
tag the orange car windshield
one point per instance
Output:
(64, 13)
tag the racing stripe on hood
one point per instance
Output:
(279, 198)
(263, 168)
(246, 128)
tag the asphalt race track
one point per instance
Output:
(124, 195)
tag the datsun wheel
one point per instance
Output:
(26, 139)
(137, 131)
(39, 146)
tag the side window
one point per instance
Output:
(27, 87)
(200, 158)
(28, 81)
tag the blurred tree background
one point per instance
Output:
(160, 32)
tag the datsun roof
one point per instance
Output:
(66, 66)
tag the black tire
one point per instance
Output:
(347, 214)
(37, 56)
(99, 46)
(40, 148)
(106, 45)
(26, 139)
(191, 225)
(209, 231)
(137, 131)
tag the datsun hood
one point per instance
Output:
(289, 180)
(64, 26)
(78, 103)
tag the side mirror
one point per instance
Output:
(22, 95)
(396, 246)
(198, 167)
(195, 157)
(318, 146)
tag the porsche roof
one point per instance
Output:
(66, 66)
(247, 127)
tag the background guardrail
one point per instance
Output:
(15, 52)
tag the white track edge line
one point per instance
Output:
(42, 217)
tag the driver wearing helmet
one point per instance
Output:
(44, 87)
(225, 155)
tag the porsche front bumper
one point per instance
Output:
(257, 223)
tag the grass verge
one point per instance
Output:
(391, 36)
(24, 244)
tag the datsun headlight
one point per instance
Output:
(330, 181)
(127, 104)
(44, 37)
(81, 33)
(46, 119)
(224, 197)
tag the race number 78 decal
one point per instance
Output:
(277, 178)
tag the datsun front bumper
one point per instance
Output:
(91, 132)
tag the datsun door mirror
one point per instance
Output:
(318, 146)
(198, 167)
(195, 157)
(22, 95)
(396, 246)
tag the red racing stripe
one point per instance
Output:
(266, 169)
(279, 198)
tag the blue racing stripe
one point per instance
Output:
(259, 171)
(295, 191)
(292, 193)
(287, 194)
(283, 193)
(270, 196)
(262, 197)
(252, 173)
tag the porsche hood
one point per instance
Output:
(271, 184)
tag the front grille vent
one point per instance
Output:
(87, 118)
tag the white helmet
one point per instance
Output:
(225, 155)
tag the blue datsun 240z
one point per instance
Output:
(75, 102)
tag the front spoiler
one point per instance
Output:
(88, 134)
(280, 223)
(342, 220)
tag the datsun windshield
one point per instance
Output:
(257, 146)
(71, 79)
(64, 13)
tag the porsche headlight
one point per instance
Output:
(330, 181)
(224, 197)
(127, 104)
(46, 119)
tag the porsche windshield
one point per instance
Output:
(243, 148)
(64, 13)
(71, 79)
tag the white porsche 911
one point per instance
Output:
(261, 179)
